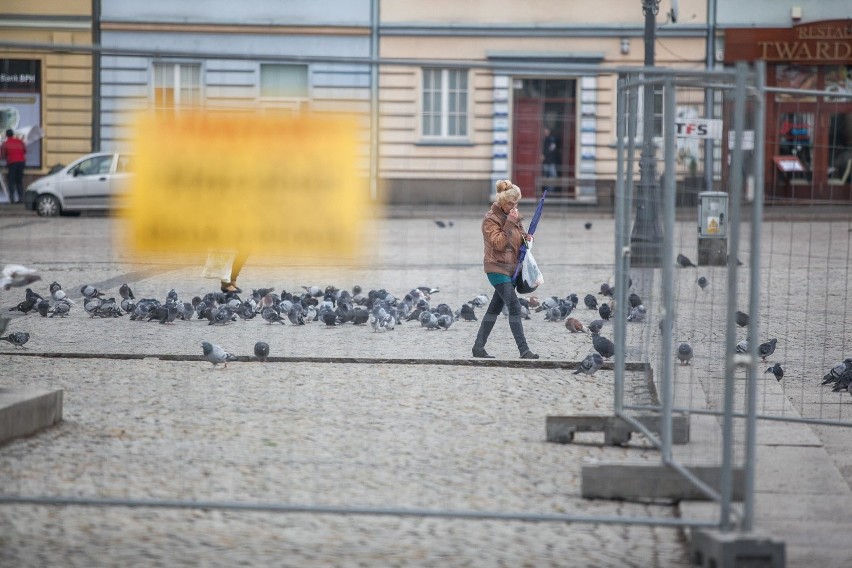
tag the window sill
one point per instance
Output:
(444, 142)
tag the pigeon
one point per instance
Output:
(125, 292)
(15, 275)
(603, 345)
(441, 224)
(88, 291)
(741, 318)
(844, 382)
(836, 371)
(683, 261)
(445, 321)
(596, 326)
(590, 365)
(59, 294)
(637, 314)
(61, 309)
(742, 346)
(271, 315)
(466, 313)
(30, 296)
(777, 371)
(702, 282)
(26, 307)
(606, 289)
(588, 225)
(767, 349)
(43, 308)
(634, 300)
(573, 325)
(429, 320)
(216, 354)
(605, 312)
(261, 350)
(172, 295)
(17, 338)
(684, 353)
(591, 302)
(92, 305)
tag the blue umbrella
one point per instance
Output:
(530, 231)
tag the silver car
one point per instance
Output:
(89, 183)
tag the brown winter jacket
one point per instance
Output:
(502, 239)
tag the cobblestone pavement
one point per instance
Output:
(383, 435)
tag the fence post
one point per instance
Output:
(620, 206)
(735, 189)
(668, 266)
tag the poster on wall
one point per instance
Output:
(20, 103)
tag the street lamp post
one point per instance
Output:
(646, 238)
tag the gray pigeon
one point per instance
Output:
(637, 314)
(125, 292)
(445, 321)
(43, 308)
(216, 354)
(61, 309)
(17, 338)
(603, 345)
(683, 261)
(702, 282)
(270, 315)
(777, 371)
(836, 371)
(591, 302)
(742, 346)
(684, 353)
(596, 325)
(88, 291)
(261, 350)
(590, 365)
(767, 349)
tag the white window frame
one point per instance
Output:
(177, 84)
(445, 105)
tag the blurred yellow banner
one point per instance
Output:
(247, 182)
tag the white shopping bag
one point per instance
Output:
(218, 266)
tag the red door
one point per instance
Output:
(526, 142)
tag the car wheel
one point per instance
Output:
(47, 206)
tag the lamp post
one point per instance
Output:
(646, 238)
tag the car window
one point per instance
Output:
(125, 164)
(93, 166)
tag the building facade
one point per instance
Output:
(46, 95)
(807, 46)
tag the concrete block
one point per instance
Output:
(561, 429)
(711, 548)
(23, 413)
(644, 482)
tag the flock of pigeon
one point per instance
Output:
(378, 309)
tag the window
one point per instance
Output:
(93, 166)
(284, 88)
(176, 85)
(445, 103)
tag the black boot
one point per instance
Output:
(488, 321)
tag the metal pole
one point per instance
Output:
(709, 102)
(754, 294)
(646, 239)
(620, 232)
(735, 200)
(374, 100)
(96, 77)
(668, 267)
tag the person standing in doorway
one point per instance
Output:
(14, 151)
(549, 156)
(503, 233)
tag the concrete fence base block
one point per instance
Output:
(26, 412)
(712, 548)
(561, 429)
(652, 482)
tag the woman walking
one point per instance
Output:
(503, 235)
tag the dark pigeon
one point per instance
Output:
(591, 302)
(595, 326)
(603, 345)
(777, 371)
(684, 353)
(261, 350)
(702, 282)
(17, 338)
(683, 261)
(605, 312)
(742, 319)
(767, 349)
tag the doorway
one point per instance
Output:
(544, 136)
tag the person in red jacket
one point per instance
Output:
(14, 151)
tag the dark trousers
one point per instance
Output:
(504, 295)
(16, 182)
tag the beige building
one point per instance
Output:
(49, 90)
(447, 133)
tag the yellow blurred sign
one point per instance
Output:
(712, 225)
(248, 182)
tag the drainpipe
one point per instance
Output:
(708, 93)
(96, 76)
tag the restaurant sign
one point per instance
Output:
(827, 42)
